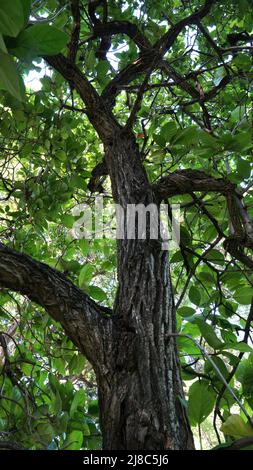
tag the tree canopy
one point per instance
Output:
(177, 75)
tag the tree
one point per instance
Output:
(173, 115)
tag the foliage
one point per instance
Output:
(48, 151)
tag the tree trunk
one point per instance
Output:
(140, 395)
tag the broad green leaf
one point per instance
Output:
(176, 257)
(191, 328)
(187, 346)
(2, 45)
(94, 443)
(186, 311)
(207, 140)
(56, 404)
(93, 408)
(90, 59)
(26, 5)
(61, 155)
(39, 40)
(74, 441)
(68, 220)
(9, 77)
(86, 274)
(201, 402)
(215, 256)
(46, 432)
(102, 70)
(78, 401)
(168, 130)
(188, 373)
(186, 136)
(209, 369)
(242, 347)
(59, 364)
(11, 17)
(81, 425)
(235, 426)
(195, 296)
(185, 236)
(78, 182)
(97, 293)
(244, 374)
(243, 168)
(244, 295)
(239, 142)
(208, 333)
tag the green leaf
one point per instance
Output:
(209, 369)
(168, 131)
(102, 70)
(9, 78)
(187, 136)
(78, 182)
(59, 364)
(78, 401)
(177, 257)
(90, 59)
(244, 295)
(207, 140)
(11, 17)
(244, 374)
(239, 142)
(74, 441)
(94, 443)
(201, 402)
(243, 168)
(39, 40)
(26, 5)
(186, 311)
(209, 334)
(236, 427)
(86, 275)
(187, 346)
(68, 220)
(80, 425)
(61, 155)
(93, 409)
(242, 347)
(97, 293)
(56, 404)
(46, 432)
(216, 257)
(2, 45)
(195, 296)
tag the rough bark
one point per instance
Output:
(140, 399)
(140, 403)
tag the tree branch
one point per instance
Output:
(187, 181)
(152, 55)
(101, 30)
(9, 445)
(169, 38)
(83, 320)
(239, 444)
(73, 45)
(99, 115)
